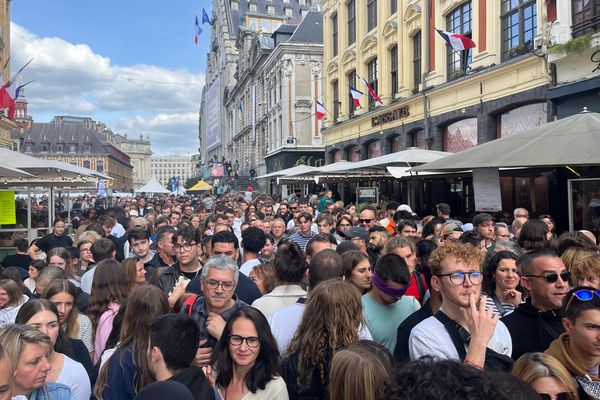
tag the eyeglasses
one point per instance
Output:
(522, 216)
(551, 278)
(557, 396)
(366, 220)
(458, 278)
(237, 340)
(582, 295)
(185, 247)
(85, 250)
(213, 284)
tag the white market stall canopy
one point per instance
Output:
(289, 171)
(152, 186)
(566, 142)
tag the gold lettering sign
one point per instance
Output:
(390, 116)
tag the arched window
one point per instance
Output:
(460, 135)
(522, 119)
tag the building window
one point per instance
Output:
(45, 147)
(100, 166)
(351, 82)
(372, 79)
(60, 148)
(271, 9)
(371, 14)
(334, 34)
(28, 148)
(519, 26)
(14, 146)
(303, 13)
(461, 135)
(289, 12)
(87, 148)
(73, 162)
(394, 70)
(393, 7)
(235, 5)
(459, 21)
(521, 119)
(586, 17)
(416, 42)
(417, 139)
(86, 163)
(302, 2)
(351, 22)
(336, 100)
(253, 7)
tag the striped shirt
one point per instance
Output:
(301, 240)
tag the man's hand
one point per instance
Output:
(513, 296)
(215, 324)
(481, 324)
(203, 355)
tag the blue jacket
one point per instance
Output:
(52, 391)
(121, 375)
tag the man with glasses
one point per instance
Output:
(185, 244)
(521, 213)
(217, 304)
(501, 232)
(534, 324)
(578, 349)
(463, 328)
(367, 218)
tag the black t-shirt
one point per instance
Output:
(52, 241)
(189, 275)
(17, 260)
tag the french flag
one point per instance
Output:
(456, 41)
(320, 110)
(371, 91)
(197, 31)
(356, 94)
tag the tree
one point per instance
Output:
(190, 182)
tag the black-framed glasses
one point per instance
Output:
(582, 295)
(366, 220)
(185, 247)
(557, 396)
(458, 278)
(237, 340)
(551, 278)
(213, 284)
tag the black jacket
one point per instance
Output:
(317, 389)
(195, 380)
(532, 330)
(401, 352)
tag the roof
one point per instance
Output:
(237, 17)
(266, 43)
(568, 141)
(310, 29)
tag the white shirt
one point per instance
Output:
(87, 280)
(286, 321)
(75, 377)
(246, 267)
(281, 297)
(430, 338)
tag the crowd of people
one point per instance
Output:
(221, 297)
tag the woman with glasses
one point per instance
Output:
(546, 375)
(343, 225)
(85, 256)
(501, 283)
(246, 359)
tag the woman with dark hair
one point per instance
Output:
(475, 239)
(11, 300)
(60, 257)
(263, 275)
(430, 230)
(344, 223)
(357, 270)
(85, 256)
(247, 359)
(34, 270)
(330, 322)
(126, 372)
(58, 238)
(109, 291)
(501, 283)
(549, 221)
(290, 267)
(533, 235)
(43, 315)
(73, 323)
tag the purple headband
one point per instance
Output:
(382, 286)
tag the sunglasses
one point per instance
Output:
(582, 295)
(557, 396)
(365, 221)
(551, 278)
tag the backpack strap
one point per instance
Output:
(188, 305)
(454, 330)
(501, 309)
(420, 285)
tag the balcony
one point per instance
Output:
(586, 18)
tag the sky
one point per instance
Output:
(131, 64)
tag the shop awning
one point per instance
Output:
(289, 171)
(570, 141)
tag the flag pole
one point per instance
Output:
(426, 71)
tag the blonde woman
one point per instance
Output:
(546, 375)
(11, 300)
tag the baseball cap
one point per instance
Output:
(405, 207)
(481, 218)
(357, 232)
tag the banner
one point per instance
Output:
(8, 209)
(486, 188)
(213, 115)
(217, 171)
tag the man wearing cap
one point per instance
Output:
(359, 237)
(577, 349)
(450, 232)
(484, 224)
(386, 306)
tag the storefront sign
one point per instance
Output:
(390, 116)
(8, 210)
(367, 195)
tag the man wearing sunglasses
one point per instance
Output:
(463, 328)
(578, 349)
(538, 321)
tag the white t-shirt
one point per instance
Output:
(430, 338)
(76, 378)
(87, 280)
(246, 267)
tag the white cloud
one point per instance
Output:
(70, 79)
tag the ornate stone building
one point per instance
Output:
(229, 17)
(164, 168)
(140, 154)
(270, 111)
(6, 125)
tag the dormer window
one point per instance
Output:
(28, 148)
(87, 148)
(60, 147)
(45, 147)
(289, 12)
(235, 5)
(253, 7)
(72, 147)
(271, 9)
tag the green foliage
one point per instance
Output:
(190, 182)
(573, 46)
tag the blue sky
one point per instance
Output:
(131, 64)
